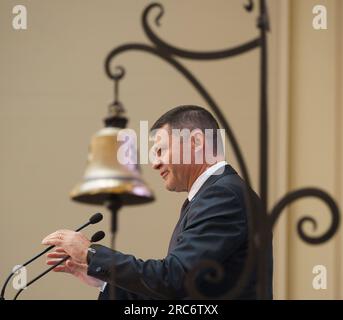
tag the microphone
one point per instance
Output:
(95, 238)
(95, 218)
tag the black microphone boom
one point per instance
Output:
(95, 218)
(95, 238)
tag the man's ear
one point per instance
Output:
(198, 140)
(198, 145)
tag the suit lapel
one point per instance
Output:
(187, 204)
(213, 178)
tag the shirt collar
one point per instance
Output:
(203, 177)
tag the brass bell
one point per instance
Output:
(106, 178)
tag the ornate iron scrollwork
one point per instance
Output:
(260, 221)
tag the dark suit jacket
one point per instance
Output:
(212, 226)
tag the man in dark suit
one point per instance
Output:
(212, 224)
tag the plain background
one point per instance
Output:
(54, 94)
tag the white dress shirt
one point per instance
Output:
(204, 176)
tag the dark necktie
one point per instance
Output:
(177, 228)
(184, 206)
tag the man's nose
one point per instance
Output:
(156, 164)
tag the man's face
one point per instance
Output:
(175, 176)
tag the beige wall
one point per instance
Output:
(315, 142)
(53, 95)
(310, 145)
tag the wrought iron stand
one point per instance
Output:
(261, 220)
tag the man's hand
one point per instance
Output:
(75, 244)
(79, 270)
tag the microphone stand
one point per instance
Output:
(41, 275)
(91, 221)
(96, 237)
